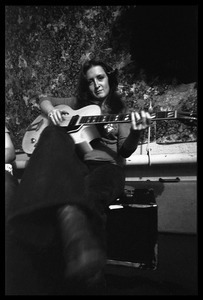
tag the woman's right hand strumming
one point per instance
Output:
(55, 115)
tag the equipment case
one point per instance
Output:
(132, 230)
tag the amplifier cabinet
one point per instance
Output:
(132, 230)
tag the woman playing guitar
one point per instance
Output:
(64, 192)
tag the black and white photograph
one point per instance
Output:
(101, 150)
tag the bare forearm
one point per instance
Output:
(9, 149)
(46, 106)
(9, 155)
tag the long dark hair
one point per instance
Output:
(114, 101)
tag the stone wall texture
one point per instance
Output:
(44, 49)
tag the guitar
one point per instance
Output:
(80, 124)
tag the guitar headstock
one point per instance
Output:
(164, 115)
(189, 118)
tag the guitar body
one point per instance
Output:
(33, 132)
(81, 134)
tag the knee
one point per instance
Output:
(51, 131)
(56, 134)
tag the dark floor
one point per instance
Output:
(176, 273)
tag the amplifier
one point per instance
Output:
(132, 230)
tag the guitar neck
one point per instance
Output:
(125, 118)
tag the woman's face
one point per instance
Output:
(98, 82)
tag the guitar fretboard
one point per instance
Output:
(125, 118)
